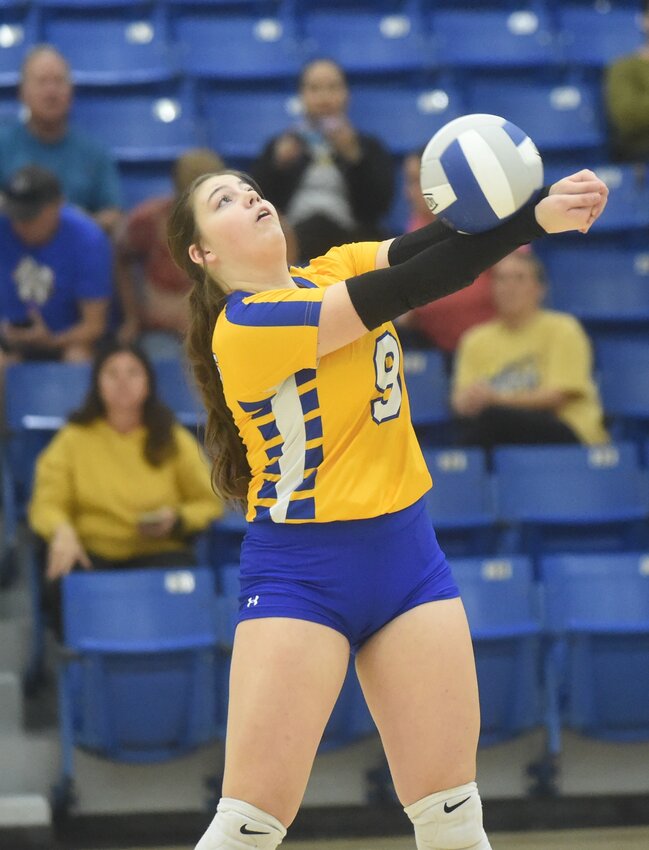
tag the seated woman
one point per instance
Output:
(122, 485)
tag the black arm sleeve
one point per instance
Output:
(410, 244)
(444, 267)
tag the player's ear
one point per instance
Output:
(198, 254)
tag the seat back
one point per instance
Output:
(392, 43)
(460, 502)
(572, 497)
(558, 118)
(597, 606)
(404, 117)
(428, 387)
(501, 602)
(250, 47)
(594, 36)
(177, 389)
(492, 38)
(145, 682)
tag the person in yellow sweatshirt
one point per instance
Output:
(122, 484)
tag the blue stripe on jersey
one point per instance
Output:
(313, 428)
(273, 469)
(268, 490)
(301, 509)
(269, 314)
(269, 431)
(257, 408)
(313, 457)
(303, 283)
(275, 451)
(308, 483)
(261, 513)
(304, 376)
(309, 401)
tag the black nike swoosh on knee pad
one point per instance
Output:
(448, 809)
(245, 831)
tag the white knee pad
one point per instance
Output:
(449, 820)
(240, 826)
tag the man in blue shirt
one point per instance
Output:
(55, 272)
(87, 173)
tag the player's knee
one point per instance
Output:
(241, 826)
(449, 820)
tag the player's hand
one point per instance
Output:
(65, 550)
(570, 211)
(580, 182)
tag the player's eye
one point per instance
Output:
(224, 199)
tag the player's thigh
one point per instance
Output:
(286, 675)
(418, 677)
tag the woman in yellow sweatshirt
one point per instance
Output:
(122, 484)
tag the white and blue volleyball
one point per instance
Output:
(478, 170)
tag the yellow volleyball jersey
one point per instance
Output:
(328, 439)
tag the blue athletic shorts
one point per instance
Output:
(353, 576)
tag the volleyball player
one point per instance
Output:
(309, 426)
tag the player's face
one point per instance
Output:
(234, 222)
(324, 93)
(123, 383)
(46, 89)
(517, 291)
(412, 186)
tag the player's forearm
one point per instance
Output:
(438, 270)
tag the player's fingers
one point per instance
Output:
(582, 187)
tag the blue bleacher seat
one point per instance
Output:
(139, 126)
(176, 388)
(143, 181)
(111, 49)
(461, 503)
(428, 391)
(559, 117)
(603, 285)
(139, 676)
(235, 47)
(567, 498)
(391, 43)
(404, 117)
(597, 664)
(18, 32)
(37, 400)
(239, 123)
(572, 498)
(593, 37)
(625, 396)
(496, 39)
(501, 603)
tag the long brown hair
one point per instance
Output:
(158, 419)
(223, 444)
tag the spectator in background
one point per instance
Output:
(122, 485)
(626, 92)
(333, 183)
(152, 288)
(87, 173)
(441, 323)
(525, 376)
(55, 272)
(153, 291)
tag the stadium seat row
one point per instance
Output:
(140, 42)
(567, 650)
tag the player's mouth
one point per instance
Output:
(264, 212)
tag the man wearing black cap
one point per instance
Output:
(55, 272)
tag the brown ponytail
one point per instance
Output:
(223, 444)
